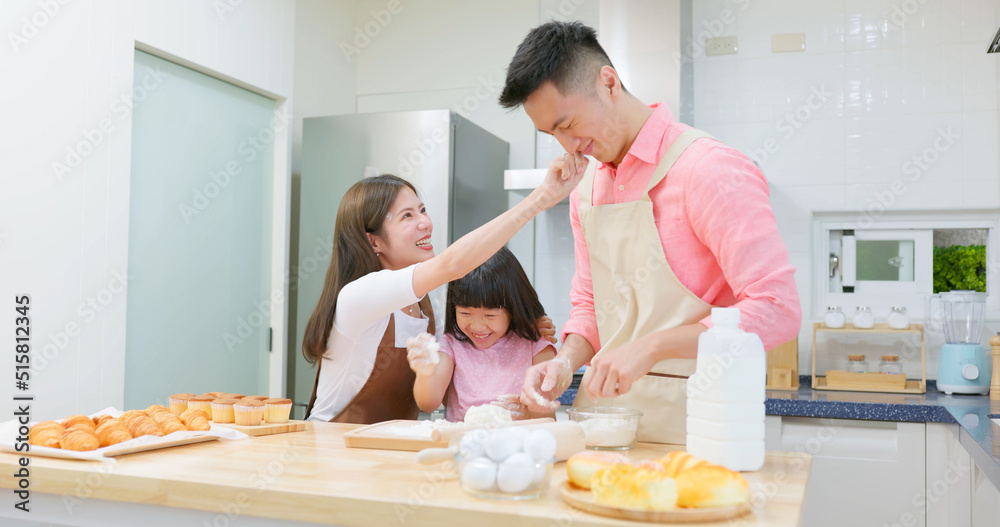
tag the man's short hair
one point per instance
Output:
(566, 53)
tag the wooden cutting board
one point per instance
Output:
(376, 436)
(582, 499)
(267, 429)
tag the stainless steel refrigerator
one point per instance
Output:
(456, 166)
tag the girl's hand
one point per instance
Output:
(422, 354)
(547, 328)
(565, 172)
(544, 383)
(512, 403)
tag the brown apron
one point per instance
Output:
(388, 393)
(635, 294)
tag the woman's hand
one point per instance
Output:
(512, 403)
(565, 172)
(547, 328)
(422, 354)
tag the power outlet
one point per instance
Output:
(720, 46)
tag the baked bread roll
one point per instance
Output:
(196, 420)
(79, 440)
(581, 467)
(79, 420)
(112, 432)
(645, 487)
(46, 433)
(702, 484)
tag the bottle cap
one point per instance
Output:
(726, 316)
(890, 358)
(855, 357)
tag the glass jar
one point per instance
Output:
(898, 319)
(857, 364)
(834, 318)
(863, 318)
(890, 365)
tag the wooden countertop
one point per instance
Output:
(311, 476)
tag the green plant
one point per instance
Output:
(960, 267)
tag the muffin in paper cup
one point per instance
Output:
(223, 411)
(248, 412)
(277, 410)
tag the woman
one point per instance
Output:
(373, 298)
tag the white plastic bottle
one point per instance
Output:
(725, 407)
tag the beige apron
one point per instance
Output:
(635, 294)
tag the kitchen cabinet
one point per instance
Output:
(985, 500)
(947, 489)
(863, 472)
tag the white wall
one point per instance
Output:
(64, 240)
(884, 78)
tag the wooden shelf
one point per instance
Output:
(879, 328)
(912, 386)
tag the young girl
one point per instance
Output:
(373, 298)
(489, 342)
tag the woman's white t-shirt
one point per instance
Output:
(362, 316)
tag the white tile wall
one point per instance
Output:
(899, 74)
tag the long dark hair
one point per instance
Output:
(499, 283)
(362, 210)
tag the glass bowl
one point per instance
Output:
(607, 427)
(484, 478)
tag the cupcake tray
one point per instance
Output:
(266, 429)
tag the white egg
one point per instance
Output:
(502, 444)
(516, 473)
(517, 435)
(541, 473)
(479, 474)
(540, 445)
(473, 444)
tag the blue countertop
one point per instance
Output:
(976, 432)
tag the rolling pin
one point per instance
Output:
(995, 380)
(569, 440)
(445, 434)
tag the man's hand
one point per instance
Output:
(547, 328)
(612, 372)
(422, 354)
(544, 383)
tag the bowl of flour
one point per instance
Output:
(607, 427)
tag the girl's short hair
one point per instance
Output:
(499, 283)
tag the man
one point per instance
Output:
(654, 252)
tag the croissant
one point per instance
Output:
(144, 427)
(79, 419)
(43, 434)
(101, 419)
(156, 408)
(196, 420)
(161, 415)
(130, 415)
(170, 426)
(79, 440)
(112, 432)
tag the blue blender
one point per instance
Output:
(965, 365)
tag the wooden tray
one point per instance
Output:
(372, 436)
(582, 499)
(267, 429)
(111, 451)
